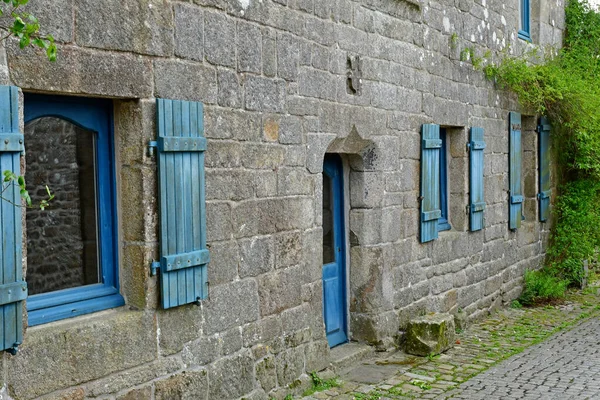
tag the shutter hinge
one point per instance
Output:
(152, 145)
(154, 268)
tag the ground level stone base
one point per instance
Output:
(430, 334)
(566, 366)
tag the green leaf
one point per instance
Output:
(21, 181)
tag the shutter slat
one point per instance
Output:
(544, 168)
(515, 165)
(476, 189)
(183, 215)
(430, 182)
(11, 312)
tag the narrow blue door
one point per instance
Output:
(334, 252)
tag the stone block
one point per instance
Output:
(289, 365)
(224, 259)
(288, 249)
(294, 181)
(232, 185)
(288, 56)
(55, 18)
(266, 373)
(189, 32)
(108, 74)
(223, 154)
(269, 53)
(291, 130)
(104, 343)
(261, 217)
(316, 355)
(144, 393)
(179, 326)
(249, 47)
(134, 273)
(221, 123)
(430, 334)
(188, 385)
(218, 221)
(133, 377)
(231, 377)
(185, 81)
(144, 27)
(220, 37)
(315, 83)
(257, 256)
(261, 331)
(366, 189)
(222, 313)
(279, 290)
(264, 94)
(230, 90)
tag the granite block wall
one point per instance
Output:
(283, 83)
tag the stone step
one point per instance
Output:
(348, 355)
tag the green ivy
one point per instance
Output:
(565, 86)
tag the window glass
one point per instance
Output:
(443, 223)
(328, 239)
(62, 248)
(524, 23)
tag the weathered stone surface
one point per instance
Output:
(114, 74)
(222, 313)
(267, 216)
(133, 377)
(189, 32)
(257, 256)
(231, 377)
(55, 18)
(104, 344)
(188, 385)
(430, 334)
(136, 26)
(137, 394)
(249, 47)
(266, 373)
(220, 39)
(185, 81)
(173, 334)
(276, 290)
(264, 94)
(289, 365)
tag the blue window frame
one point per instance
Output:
(443, 223)
(94, 115)
(524, 26)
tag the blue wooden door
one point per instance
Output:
(334, 252)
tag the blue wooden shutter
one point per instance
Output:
(476, 199)
(184, 256)
(430, 182)
(514, 171)
(13, 290)
(544, 168)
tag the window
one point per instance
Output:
(443, 223)
(524, 25)
(72, 245)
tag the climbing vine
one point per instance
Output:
(25, 27)
(566, 88)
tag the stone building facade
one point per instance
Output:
(284, 82)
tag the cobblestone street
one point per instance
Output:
(544, 353)
(567, 366)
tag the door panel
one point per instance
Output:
(334, 250)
